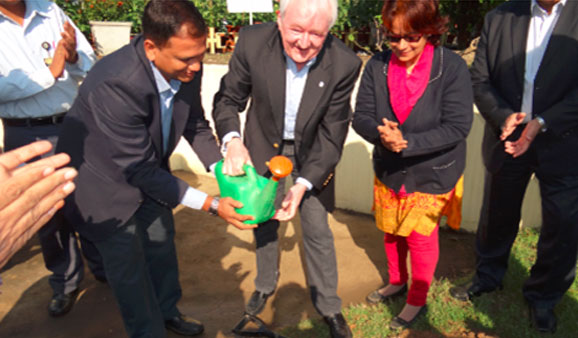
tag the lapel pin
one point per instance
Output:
(321, 84)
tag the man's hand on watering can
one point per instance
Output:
(237, 155)
(226, 211)
(291, 203)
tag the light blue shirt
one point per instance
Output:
(294, 85)
(295, 81)
(167, 92)
(192, 198)
(27, 88)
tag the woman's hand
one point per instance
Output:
(391, 137)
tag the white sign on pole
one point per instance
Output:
(250, 6)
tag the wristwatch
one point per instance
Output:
(214, 207)
(542, 124)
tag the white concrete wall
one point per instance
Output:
(354, 177)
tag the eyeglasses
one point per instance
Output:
(408, 38)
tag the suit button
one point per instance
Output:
(404, 172)
(275, 145)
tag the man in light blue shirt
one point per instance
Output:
(43, 56)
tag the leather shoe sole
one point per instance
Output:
(399, 323)
(375, 297)
(471, 290)
(61, 303)
(184, 326)
(543, 319)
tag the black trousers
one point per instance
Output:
(58, 239)
(555, 266)
(141, 265)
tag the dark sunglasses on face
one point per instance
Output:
(408, 38)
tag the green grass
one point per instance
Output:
(500, 314)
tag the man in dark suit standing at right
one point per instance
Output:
(525, 77)
(299, 79)
(131, 111)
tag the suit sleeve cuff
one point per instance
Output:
(194, 198)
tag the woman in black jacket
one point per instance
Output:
(415, 104)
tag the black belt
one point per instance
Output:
(34, 121)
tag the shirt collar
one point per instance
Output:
(162, 84)
(293, 65)
(536, 9)
(33, 8)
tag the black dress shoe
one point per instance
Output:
(61, 303)
(471, 290)
(543, 319)
(375, 297)
(399, 323)
(338, 326)
(184, 326)
(257, 302)
(101, 279)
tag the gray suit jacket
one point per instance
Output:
(257, 72)
(498, 78)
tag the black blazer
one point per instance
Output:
(113, 136)
(436, 129)
(257, 72)
(498, 78)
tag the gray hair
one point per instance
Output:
(283, 4)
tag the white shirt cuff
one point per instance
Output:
(230, 135)
(212, 168)
(305, 182)
(194, 198)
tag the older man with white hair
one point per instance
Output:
(299, 79)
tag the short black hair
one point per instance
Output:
(163, 19)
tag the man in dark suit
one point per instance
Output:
(525, 79)
(299, 79)
(132, 109)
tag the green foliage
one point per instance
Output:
(358, 22)
(83, 11)
(466, 18)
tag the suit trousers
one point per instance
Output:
(141, 265)
(58, 239)
(320, 258)
(554, 269)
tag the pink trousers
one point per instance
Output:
(424, 254)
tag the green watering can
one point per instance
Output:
(253, 190)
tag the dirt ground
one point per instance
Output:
(217, 269)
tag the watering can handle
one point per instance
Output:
(280, 166)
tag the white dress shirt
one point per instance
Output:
(541, 26)
(27, 88)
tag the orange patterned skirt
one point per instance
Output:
(399, 215)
